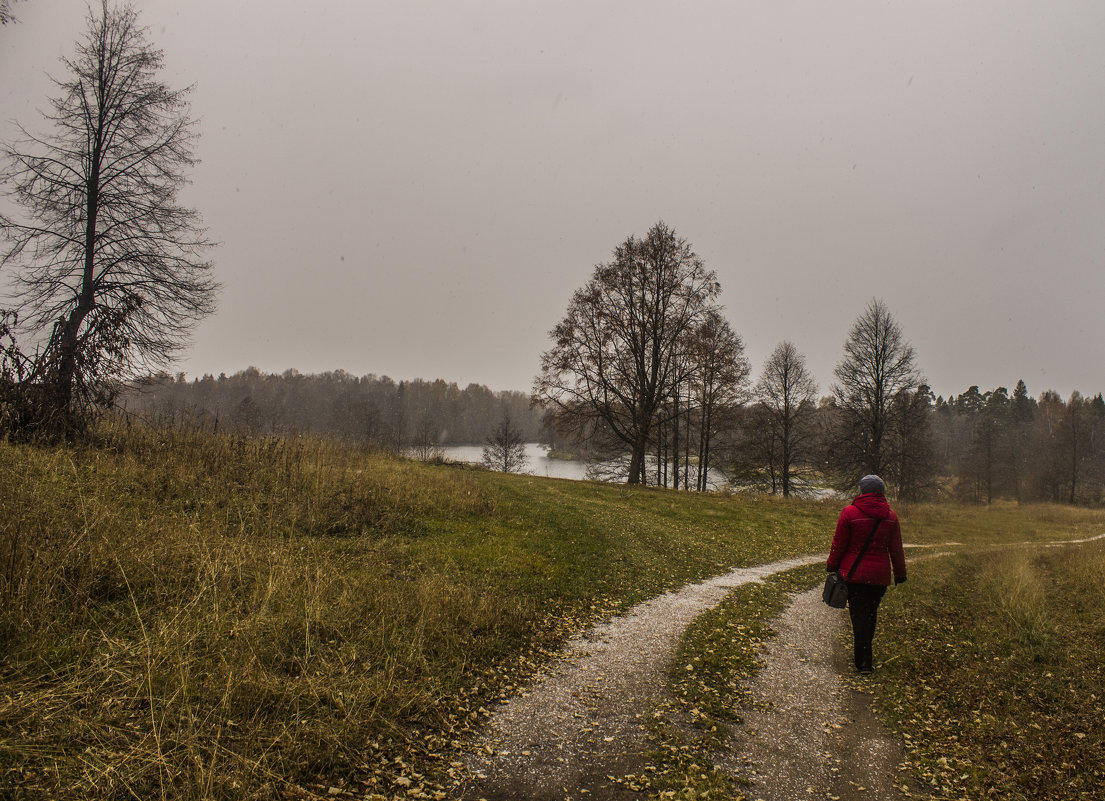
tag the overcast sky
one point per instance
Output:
(416, 188)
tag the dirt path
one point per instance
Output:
(581, 723)
(809, 735)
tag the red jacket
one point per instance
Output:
(855, 523)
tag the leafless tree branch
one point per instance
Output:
(111, 269)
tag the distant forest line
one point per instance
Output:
(373, 410)
(980, 445)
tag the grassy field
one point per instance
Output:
(995, 671)
(185, 616)
(992, 662)
(189, 616)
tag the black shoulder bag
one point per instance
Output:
(835, 593)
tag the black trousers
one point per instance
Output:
(863, 606)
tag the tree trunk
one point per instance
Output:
(786, 451)
(705, 457)
(637, 462)
(664, 442)
(687, 452)
(675, 442)
(69, 336)
(660, 450)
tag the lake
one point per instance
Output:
(539, 463)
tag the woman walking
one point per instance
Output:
(867, 544)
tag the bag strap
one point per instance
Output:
(878, 522)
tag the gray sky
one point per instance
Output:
(416, 188)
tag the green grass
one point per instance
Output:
(1003, 523)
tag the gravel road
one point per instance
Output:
(809, 735)
(582, 722)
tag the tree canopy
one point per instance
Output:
(878, 366)
(616, 356)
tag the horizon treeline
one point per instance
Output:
(979, 446)
(371, 410)
(994, 444)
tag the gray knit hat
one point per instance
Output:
(871, 484)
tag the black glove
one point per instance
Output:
(899, 579)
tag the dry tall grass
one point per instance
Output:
(201, 615)
(192, 616)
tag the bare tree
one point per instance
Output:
(505, 449)
(675, 416)
(614, 357)
(787, 394)
(111, 276)
(753, 452)
(427, 440)
(722, 380)
(878, 365)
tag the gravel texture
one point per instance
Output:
(572, 728)
(809, 735)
